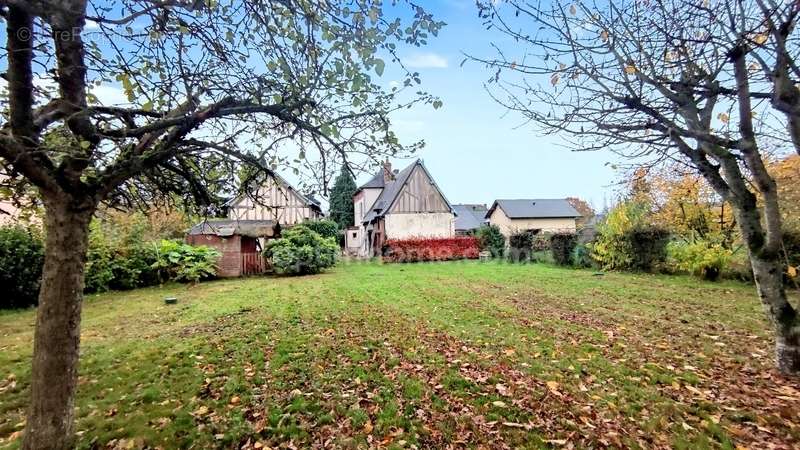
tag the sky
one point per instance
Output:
(475, 149)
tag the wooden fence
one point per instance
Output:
(254, 264)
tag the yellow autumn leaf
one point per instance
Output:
(792, 271)
(760, 38)
(723, 117)
(604, 35)
(630, 69)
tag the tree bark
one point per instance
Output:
(768, 274)
(56, 342)
(769, 282)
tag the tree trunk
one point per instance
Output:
(768, 274)
(55, 350)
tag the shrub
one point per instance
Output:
(492, 240)
(562, 246)
(521, 246)
(648, 248)
(325, 227)
(98, 272)
(301, 250)
(21, 261)
(431, 249)
(626, 241)
(701, 258)
(183, 262)
(118, 256)
(582, 256)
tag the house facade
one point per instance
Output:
(275, 200)
(538, 215)
(398, 205)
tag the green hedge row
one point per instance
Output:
(112, 263)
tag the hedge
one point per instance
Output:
(562, 246)
(431, 249)
(520, 246)
(649, 248)
(21, 260)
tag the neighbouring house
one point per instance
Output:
(239, 241)
(398, 205)
(275, 200)
(546, 215)
(469, 218)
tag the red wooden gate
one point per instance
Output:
(253, 264)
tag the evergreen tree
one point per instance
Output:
(342, 199)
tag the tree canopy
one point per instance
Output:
(122, 101)
(709, 85)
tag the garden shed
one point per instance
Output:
(239, 241)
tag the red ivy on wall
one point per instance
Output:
(431, 249)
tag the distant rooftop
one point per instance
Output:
(535, 208)
(469, 217)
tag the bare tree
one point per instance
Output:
(210, 85)
(708, 84)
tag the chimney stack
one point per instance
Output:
(388, 175)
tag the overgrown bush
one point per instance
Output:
(648, 248)
(183, 262)
(582, 256)
(702, 258)
(521, 246)
(490, 239)
(301, 250)
(119, 256)
(562, 246)
(626, 241)
(325, 227)
(431, 249)
(21, 261)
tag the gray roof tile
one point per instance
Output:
(535, 208)
(469, 217)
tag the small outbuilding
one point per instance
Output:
(239, 241)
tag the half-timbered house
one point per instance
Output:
(276, 200)
(398, 205)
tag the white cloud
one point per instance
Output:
(91, 25)
(427, 60)
(110, 95)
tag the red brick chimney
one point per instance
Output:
(388, 175)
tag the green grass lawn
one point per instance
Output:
(463, 354)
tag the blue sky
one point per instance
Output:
(476, 150)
